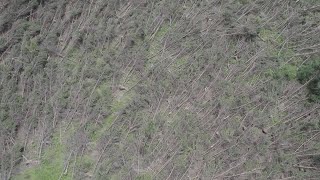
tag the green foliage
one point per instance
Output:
(288, 71)
(150, 129)
(3, 43)
(32, 46)
(314, 89)
(52, 164)
(311, 72)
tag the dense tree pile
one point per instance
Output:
(159, 89)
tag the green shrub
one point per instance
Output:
(316, 160)
(306, 73)
(308, 70)
(287, 71)
(314, 89)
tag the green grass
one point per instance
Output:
(270, 35)
(51, 166)
(156, 46)
(86, 163)
(178, 65)
(119, 102)
(144, 176)
(286, 62)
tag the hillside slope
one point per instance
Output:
(159, 89)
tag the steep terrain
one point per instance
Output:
(159, 89)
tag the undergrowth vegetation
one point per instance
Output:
(309, 74)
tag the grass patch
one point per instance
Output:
(271, 36)
(178, 66)
(120, 101)
(86, 163)
(145, 176)
(156, 46)
(51, 166)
